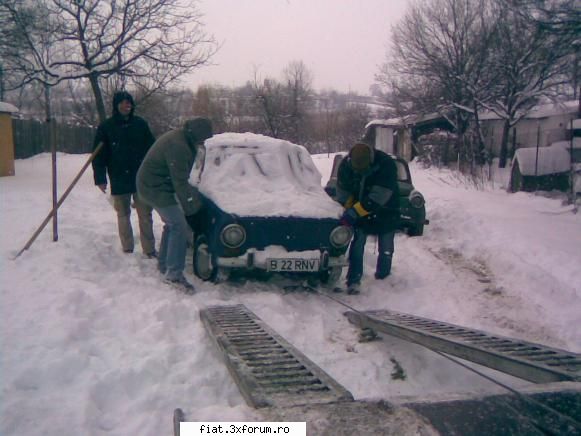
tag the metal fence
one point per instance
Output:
(31, 137)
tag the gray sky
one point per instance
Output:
(341, 42)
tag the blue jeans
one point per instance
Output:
(172, 249)
(357, 250)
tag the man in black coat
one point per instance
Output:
(368, 190)
(126, 139)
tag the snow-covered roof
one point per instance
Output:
(540, 111)
(391, 122)
(7, 107)
(551, 160)
(255, 175)
(404, 121)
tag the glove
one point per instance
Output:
(194, 221)
(349, 217)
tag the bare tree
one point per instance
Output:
(562, 17)
(145, 44)
(459, 56)
(270, 100)
(435, 59)
(211, 102)
(299, 82)
(283, 104)
(530, 63)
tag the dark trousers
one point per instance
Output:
(357, 251)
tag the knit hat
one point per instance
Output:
(197, 130)
(361, 157)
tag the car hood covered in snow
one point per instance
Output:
(255, 175)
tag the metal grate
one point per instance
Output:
(533, 362)
(268, 370)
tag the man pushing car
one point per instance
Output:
(368, 190)
(162, 182)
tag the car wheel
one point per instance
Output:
(203, 267)
(416, 231)
(330, 276)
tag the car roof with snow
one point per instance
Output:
(256, 175)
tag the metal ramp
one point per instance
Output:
(526, 360)
(269, 371)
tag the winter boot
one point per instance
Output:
(353, 289)
(181, 284)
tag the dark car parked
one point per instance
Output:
(411, 202)
(265, 211)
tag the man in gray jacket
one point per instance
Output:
(162, 182)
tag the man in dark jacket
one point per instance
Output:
(162, 182)
(368, 190)
(126, 139)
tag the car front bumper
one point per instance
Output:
(259, 259)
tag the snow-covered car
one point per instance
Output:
(265, 211)
(411, 202)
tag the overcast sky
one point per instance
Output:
(342, 42)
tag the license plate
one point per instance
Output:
(293, 265)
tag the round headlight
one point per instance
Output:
(340, 236)
(416, 199)
(233, 235)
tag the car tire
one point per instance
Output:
(416, 231)
(202, 260)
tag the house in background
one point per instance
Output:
(542, 126)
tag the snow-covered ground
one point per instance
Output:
(93, 343)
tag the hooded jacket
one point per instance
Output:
(163, 178)
(125, 144)
(374, 193)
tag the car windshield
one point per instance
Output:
(403, 173)
(255, 175)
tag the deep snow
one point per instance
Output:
(93, 343)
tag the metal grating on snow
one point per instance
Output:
(268, 370)
(529, 361)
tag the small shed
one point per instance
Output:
(390, 136)
(540, 168)
(6, 139)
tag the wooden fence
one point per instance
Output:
(31, 138)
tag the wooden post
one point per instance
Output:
(60, 202)
(537, 157)
(572, 193)
(52, 142)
